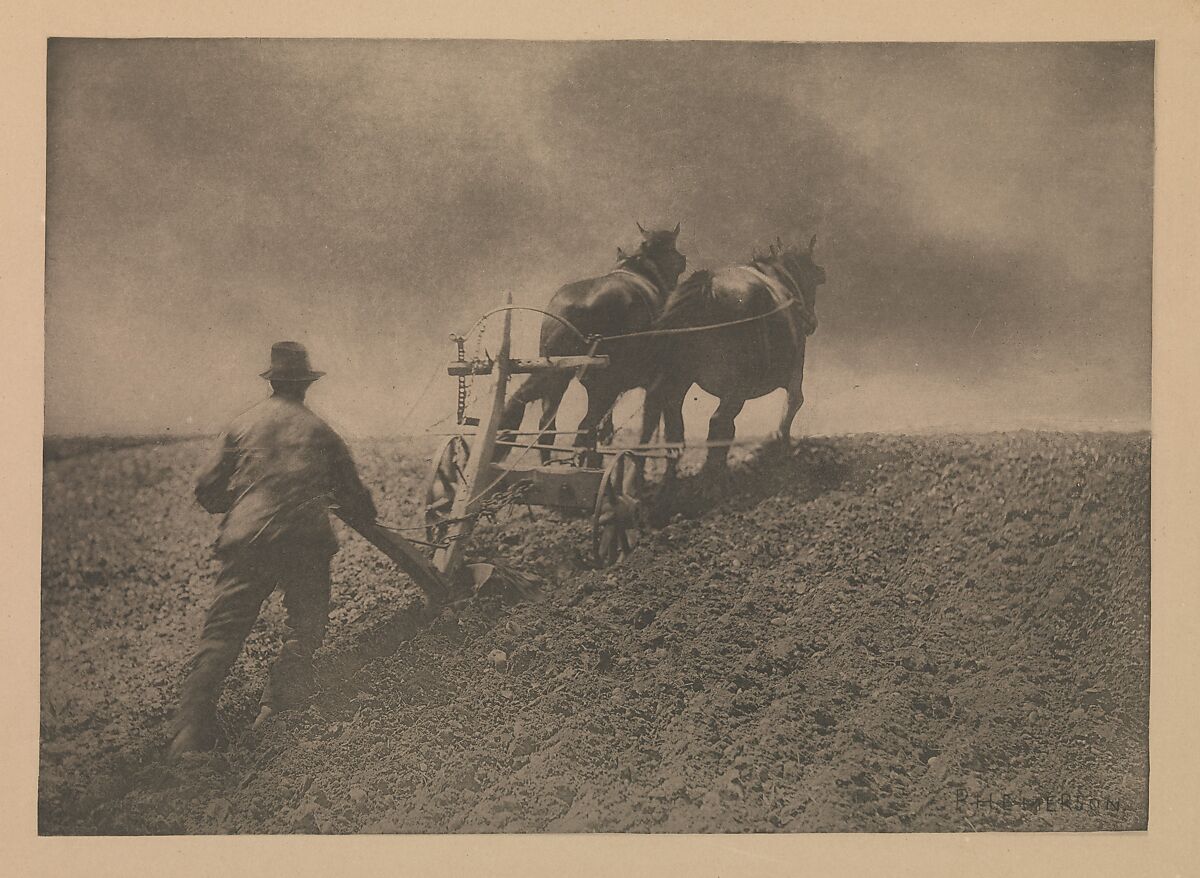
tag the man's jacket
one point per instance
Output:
(278, 470)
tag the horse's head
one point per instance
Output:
(658, 249)
(798, 262)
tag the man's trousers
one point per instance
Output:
(247, 578)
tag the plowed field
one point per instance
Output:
(882, 633)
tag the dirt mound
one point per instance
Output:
(878, 632)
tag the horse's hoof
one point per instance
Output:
(777, 444)
(716, 481)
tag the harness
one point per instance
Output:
(646, 289)
(783, 296)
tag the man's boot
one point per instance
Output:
(192, 736)
(290, 684)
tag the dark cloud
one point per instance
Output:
(983, 210)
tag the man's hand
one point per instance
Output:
(212, 487)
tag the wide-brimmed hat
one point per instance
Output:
(289, 362)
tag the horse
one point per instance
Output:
(629, 298)
(774, 296)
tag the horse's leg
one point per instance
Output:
(602, 396)
(721, 431)
(669, 399)
(536, 386)
(550, 403)
(651, 416)
(795, 399)
(670, 403)
(657, 392)
(513, 414)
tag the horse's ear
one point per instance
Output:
(774, 250)
(779, 243)
(621, 254)
(676, 232)
(811, 244)
(643, 231)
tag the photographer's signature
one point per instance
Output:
(973, 804)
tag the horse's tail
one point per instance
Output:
(685, 302)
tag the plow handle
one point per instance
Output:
(406, 556)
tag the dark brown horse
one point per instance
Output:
(630, 298)
(739, 362)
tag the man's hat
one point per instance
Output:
(289, 362)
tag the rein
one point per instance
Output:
(593, 340)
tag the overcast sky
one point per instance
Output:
(983, 212)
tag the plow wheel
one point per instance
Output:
(444, 484)
(616, 523)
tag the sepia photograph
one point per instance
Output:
(451, 436)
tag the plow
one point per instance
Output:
(468, 482)
(485, 465)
